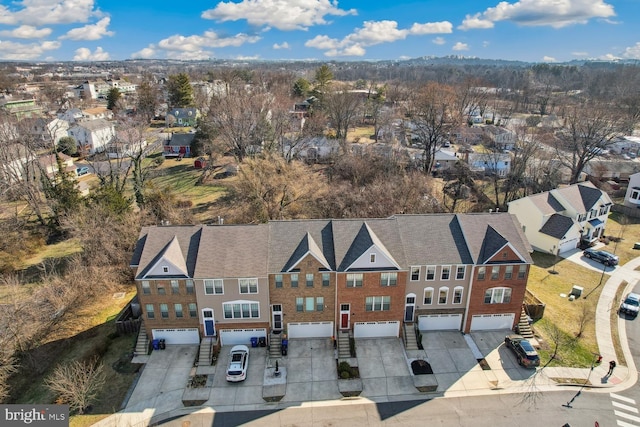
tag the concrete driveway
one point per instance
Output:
(501, 359)
(311, 370)
(163, 379)
(575, 256)
(383, 368)
(224, 395)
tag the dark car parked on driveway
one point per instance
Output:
(606, 258)
(526, 355)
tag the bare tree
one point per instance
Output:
(588, 131)
(341, 108)
(432, 116)
(77, 383)
(586, 314)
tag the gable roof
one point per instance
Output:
(352, 238)
(181, 139)
(177, 244)
(286, 242)
(484, 232)
(583, 196)
(546, 203)
(307, 246)
(93, 125)
(363, 241)
(557, 226)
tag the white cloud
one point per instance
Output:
(438, 41)
(632, 52)
(43, 12)
(554, 13)
(609, 57)
(90, 32)
(548, 59)
(284, 45)
(22, 51)
(580, 54)
(247, 58)
(146, 53)
(84, 54)
(193, 47)
(460, 46)
(26, 32)
(281, 14)
(371, 34)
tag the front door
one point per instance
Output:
(345, 313)
(409, 306)
(209, 323)
(276, 317)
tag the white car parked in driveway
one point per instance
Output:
(238, 363)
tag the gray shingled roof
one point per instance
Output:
(436, 241)
(478, 237)
(181, 139)
(546, 203)
(285, 238)
(582, 196)
(157, 242)
(557, 226)
(365, 239)
(307, 246)
(233, 251)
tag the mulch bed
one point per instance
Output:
(421, 367)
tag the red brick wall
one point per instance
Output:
(371, 287)
(170, 299)
(476, 299)
(286, 295)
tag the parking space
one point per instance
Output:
(311, 370)
(383, 368)
(499, 357)
(248, 392)
(576, 257)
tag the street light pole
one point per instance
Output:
(555, 260)
(568, 404)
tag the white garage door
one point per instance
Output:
(568, 245)
(376, 329)
(177, 336)
(240, 336)
(310, 330)
(439, 322)
(485, 322)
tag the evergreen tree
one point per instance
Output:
(301, 87)
(113, 96)
(180, 91)
(68, 145)
(61, 192)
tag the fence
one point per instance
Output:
(126, 321)
(626, 210)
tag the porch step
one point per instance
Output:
(524, 328)
(206, 350)
(275, 344)
(344, 345)
(410, 341)
(142, 343)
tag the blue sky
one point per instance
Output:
(345, 30)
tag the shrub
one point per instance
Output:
(345, 375)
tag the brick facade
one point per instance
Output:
(286, 295)
(169, 298)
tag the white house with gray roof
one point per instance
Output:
(560, 220)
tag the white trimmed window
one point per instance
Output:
(146, 287)
(354, 280)
(151, 314)
(457, 294)
(508, 272)
(309, 279)
(415, 273)
(482, 272)
(428, 296)
(248, 286)
(326, 279)
(431, 272)
(278, 280)
(189, 286)
(294, 280)
(164, 311)
(175, 287)
(495, 272)
(445, 274)
(241, 310)
(522, 271)
(299, 304)
(193, 309)
(178, 310)
(388, 279)
(213, 287)
(377, 304)
(460, 272)
(497, 296)
(443, 295)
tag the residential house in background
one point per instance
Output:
(500, 138)
(72, 115)
(560, 220)
(49, 164)
(97, 113)
(314, 278)
(490, 163)
(187, 117)
(93, 136)
(632, 197)
(48, 131)
(611, 169)
(178, 145)
(21, 108)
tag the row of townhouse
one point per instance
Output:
(311, 278)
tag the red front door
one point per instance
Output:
(344, 323)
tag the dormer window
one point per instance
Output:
(372, 258)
